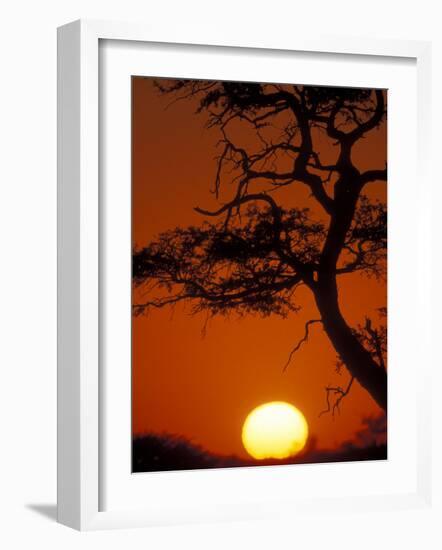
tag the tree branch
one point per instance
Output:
(372, 122)
(373, 175)
(336, 390)
(302, 341)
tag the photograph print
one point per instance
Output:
(259, 274)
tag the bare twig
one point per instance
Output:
(302, 341)
(340, 392)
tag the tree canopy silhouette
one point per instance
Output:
(252, 253)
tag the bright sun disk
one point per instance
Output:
(274, 430)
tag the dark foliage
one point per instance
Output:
(155, 453)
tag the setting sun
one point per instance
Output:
(247, 255)
(274, 430)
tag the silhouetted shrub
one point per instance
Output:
(165, 452)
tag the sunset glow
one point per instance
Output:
(251, 283)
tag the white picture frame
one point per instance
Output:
(79, 325)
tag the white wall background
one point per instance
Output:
(28, 269)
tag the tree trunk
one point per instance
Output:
(356, 358)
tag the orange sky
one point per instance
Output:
(204, 387)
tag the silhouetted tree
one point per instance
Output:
(257, 252)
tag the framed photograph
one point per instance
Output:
(234, 242)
